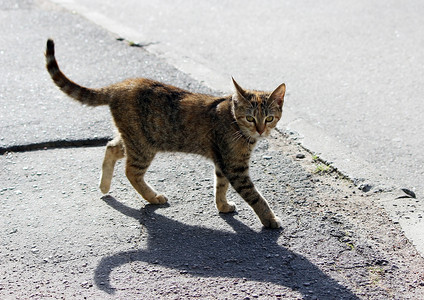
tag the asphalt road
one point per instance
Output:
(354, 69)
(61, 239)
(30, 119)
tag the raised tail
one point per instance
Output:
(87, 96)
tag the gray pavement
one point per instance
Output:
(353, 69)
(61, 239)
(32, 113)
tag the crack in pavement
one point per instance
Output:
(59, 144)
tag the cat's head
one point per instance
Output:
(257, 113)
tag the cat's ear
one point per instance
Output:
(277, 95)
(239, 91)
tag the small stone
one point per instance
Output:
(381, 262)
(365, 187)
(345, 239)
(267, 157)
(300, 155)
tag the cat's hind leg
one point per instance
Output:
(115, 150)
(221, 187)
(136, 169)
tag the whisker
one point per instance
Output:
(237, 137)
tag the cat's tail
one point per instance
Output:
(87, 96)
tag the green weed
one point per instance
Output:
(323, 169)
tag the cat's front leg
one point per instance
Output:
(239, 178)
(221, 187)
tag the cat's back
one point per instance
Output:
(170, 118)
(150, 96)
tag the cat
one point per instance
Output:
(155, 117)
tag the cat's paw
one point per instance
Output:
(228, 207)
(104, 187)
(272, 223)
(159, 199)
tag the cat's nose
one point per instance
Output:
(260, 128)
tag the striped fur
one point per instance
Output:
(154, 117)
(91, 97)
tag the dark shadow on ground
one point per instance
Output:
(211, 253)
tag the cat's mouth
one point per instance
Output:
(256, 136)
(262, 135)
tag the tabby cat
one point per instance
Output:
(154, 117)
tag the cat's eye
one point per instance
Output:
(250, 118)
(269, 119)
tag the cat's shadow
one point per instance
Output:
(204, 252)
